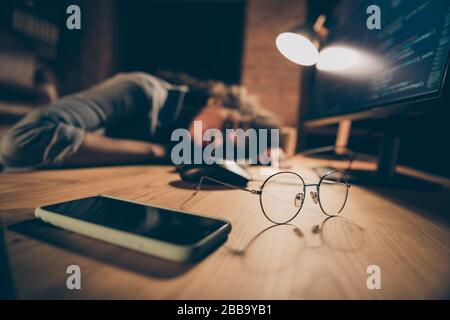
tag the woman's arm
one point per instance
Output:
(100, 150)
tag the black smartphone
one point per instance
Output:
(171, 234)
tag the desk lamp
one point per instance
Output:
(301, 45)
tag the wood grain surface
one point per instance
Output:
(404, 232)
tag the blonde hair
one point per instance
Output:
(233, 96)
(237, 97)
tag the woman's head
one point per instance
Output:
(215, 105)
(219, 106)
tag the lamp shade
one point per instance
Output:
(297, 48)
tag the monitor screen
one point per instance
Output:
(361, 68)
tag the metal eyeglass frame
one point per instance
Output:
(301, 197)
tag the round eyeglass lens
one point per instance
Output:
(333, 191)
(282, 197)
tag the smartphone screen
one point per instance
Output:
(147, 221)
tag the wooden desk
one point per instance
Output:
(405, 233)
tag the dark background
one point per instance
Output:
(200, 38)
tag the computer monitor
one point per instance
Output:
(400, 69)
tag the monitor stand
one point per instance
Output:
(385, 175)
(339, 150)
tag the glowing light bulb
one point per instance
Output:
(338, 59)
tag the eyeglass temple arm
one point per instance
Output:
(200, 183)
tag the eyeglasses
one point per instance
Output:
(281, 196)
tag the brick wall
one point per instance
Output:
(265, 72)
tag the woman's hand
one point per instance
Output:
(157, 151)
